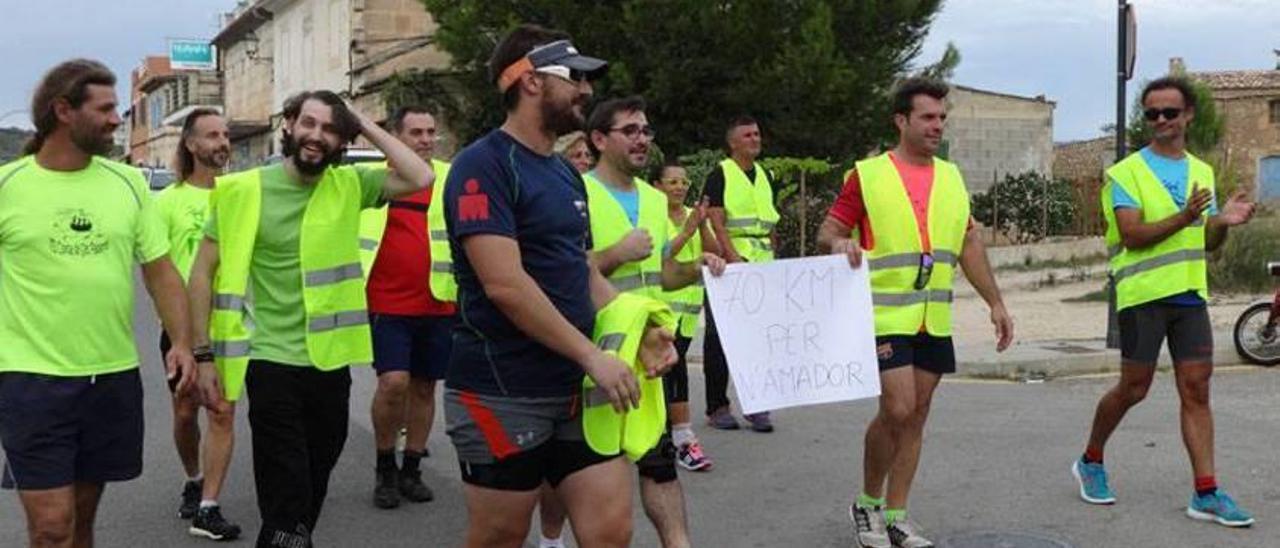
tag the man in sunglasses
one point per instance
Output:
(910, 212)
(520, 232)
(1161, 219)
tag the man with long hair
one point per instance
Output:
(284, 239)
(204, 148)
(72, 226)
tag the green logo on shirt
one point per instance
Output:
(74, 234)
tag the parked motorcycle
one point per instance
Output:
(1257, 332)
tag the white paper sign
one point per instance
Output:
(796, 331)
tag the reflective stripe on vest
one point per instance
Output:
(895, 260)
(1173, 266)
(444, 287)
(750, 215)
(610, 224)
(333, 295)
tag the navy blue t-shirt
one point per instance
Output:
(498, 186)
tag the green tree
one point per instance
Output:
(814, 72)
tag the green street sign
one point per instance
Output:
(192, 55)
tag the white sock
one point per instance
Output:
(682, 434)
(544, 542)
(208, 504)
(199, 478)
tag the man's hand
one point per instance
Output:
(657, 351)
(636, 245)
(1196, 205)
(714, 263)
(615, 378)
(850, 249)
(1004, 327)
(1238, 210)
(211, 388)
(179, 364)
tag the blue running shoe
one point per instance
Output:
(1220, 508)
(1092, 478)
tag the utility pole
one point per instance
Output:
(1126, 54)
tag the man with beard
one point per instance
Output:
(910, 212)
(282, 241)
(518, 221)
(72, 226)
(1161, 219)
(203, 151)
(411, 312)
(629, 230)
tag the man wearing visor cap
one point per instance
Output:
(518, 224)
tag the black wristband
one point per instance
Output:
(203, 355)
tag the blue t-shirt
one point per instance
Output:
(1173, 174)
(498, 186)
(628, 199)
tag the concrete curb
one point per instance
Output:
(1039, 360)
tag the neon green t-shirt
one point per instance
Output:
(182, 209)
(68, 245)
(279, 321)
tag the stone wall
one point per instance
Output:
(1249, 134)
(991, 135)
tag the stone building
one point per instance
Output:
(1249, 103)
(160, 100)
(990, 135)
(1081, 164)
(272, 49)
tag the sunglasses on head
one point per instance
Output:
(1153, 114)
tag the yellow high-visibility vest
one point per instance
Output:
(895, 260)
(337, 316)
(373, 224)
(619, 331)
(749, 212)
(686, 302)
(609, 224)
(1173, 266)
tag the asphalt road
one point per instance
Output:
(996, 458)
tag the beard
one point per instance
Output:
(561, 117)
(293, 149)
(91, 139)
(214, 159)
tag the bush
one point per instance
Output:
(1031, 207)
(1240, 264)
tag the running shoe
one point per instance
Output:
(386, 493)
(722, 419)
(191, 493)
(412, 488)
(869, 527)
(1219, 508)
(903, 534)
(760, 422)
(690, 456)
(210, 524)
(1092, 478)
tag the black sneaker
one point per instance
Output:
(412, 488)
(191, 493)
(386, 494)
(210, 524)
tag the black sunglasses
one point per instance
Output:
(1153, 114)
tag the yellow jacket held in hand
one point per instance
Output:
(619, 330)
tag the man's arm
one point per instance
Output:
(973, 259)
(165, 286)
(410, 173)
(1136, 234)
(717, 216)
(833, 237)
(200, 300)
(496, 262)
(635, 246)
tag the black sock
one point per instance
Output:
(1088, 460)
(1206, 492)
(386, 460)
(411, 460)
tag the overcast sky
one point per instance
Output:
(1064, 49)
